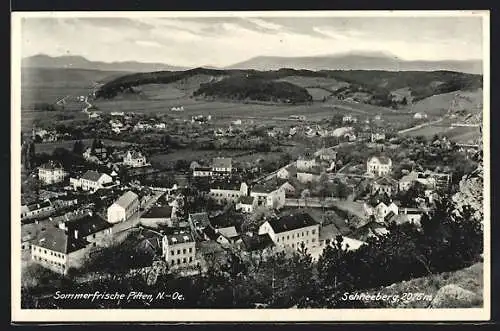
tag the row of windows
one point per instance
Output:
(183, 251)
(228, 195)
(184, 261)
(40, 259)
(300, 234)
(299, 244)
(51, 252)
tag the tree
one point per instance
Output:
(78, 147)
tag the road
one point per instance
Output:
(421, 126)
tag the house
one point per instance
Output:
(134, 159)
(377, 136)
(37, 210)
(419, 116)
(97, 153)
(193, 165)
(268, 197)
(51, 173)
(116, 113)
(222, 165)
(379, 166)
(198, 222)
(414, 177)
(229, 232)
(380, 211)
(236, 122)
(326, 154)
(159, 215)
(305, 162)
(202, 172)
(287, 172)
(370, 229)
(255, 243)
(408, 215)
(94, 115)
(246, 204)
(92, 228)
(179, 250)
(385, 185)
(123, 208)
(180, 108)
(288, 188)
(91, 181)
(349, 119)
(292, 230)
(58, 250)
(224, 191)
(211, 235)
(309, 176)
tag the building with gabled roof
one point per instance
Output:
(134, 159)
(224, 191)
(379, 166)
(292, 230)
(51, 172)
(91, 181)
(383, 185)
(268, 196)
(123, 208)
(287, 172)
(246, 204)
(179, 250)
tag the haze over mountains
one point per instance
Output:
(349, 61)
(79, 62)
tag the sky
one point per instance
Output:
(222, 41)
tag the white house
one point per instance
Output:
(288, 188)
(134, 159)
(291, 231)
(326, 154)
(384, 185)
(91, 181)
(51, 172)
(420, 116)
(349, 119)
(379, 166)
(287, 172)
(309, 176)
(123, 208)
(304, 163)
(202, 172)
(179, 250)
(246, 204)
(415, 177)
(226, 191)
(222, 165)
(269, 197)
(381, 210)
(377, 136)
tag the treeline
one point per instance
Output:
(379, 83)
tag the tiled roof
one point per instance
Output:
(385, 181)
(228, 232)
(222, 162)
(159, 212)
(246, 200)
(51, 165)
(92, 175)
(200, 219)
(257, 242)
(126, 199)
(381, 159)
(40, 205)
(263, 189)
(180, 238)
(226, 185)
(292, 222)
(56, 239)
(88, 225)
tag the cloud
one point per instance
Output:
(265, 25)
(148, 43)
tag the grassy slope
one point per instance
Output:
(470, 278)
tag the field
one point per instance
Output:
(439, 104)
(49, 85)
(167, 160)
(328, 83)
(318, 94)
(456, 134)
(68, 144)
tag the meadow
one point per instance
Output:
(49, 147)
(457, 134)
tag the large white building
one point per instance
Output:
(91, 181)
(304, 163)
(379, 165)
(269, 197)
(179, 250)
(123, 208)
(51, 173)
(225, 191)
(134, 159)
(222, 165)
(291, 231)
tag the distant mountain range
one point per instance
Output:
(349, 61)
(355, 61)
(79, 62)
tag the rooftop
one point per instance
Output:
(88, 225)
(200, 219)
(228, 232)
(158, 212)
(380, 159)
(92, 175)
(180, 238)
(292, 222)
(56, 239)
(126, 199)
(263, 189)
(222, 162)
(52, 165)
(257, 242)
(246, 200)
(385, 181)
(226, 184)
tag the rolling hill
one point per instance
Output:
(375, 87)
(79, 62)
(356, 61)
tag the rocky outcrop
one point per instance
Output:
(471, 194)
(453, 296)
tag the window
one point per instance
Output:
(184, 260)
(178, 251)
(184, 251)
(278, 240)
(313, 240)
(172, 253)
(190, 259)
(190, 249)
(93, 236)
(178, 261)
(293, 246)
(313, 231)
(44, 251)
(287, 237)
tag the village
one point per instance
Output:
(215, 206)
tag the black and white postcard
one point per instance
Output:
(250, 166)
